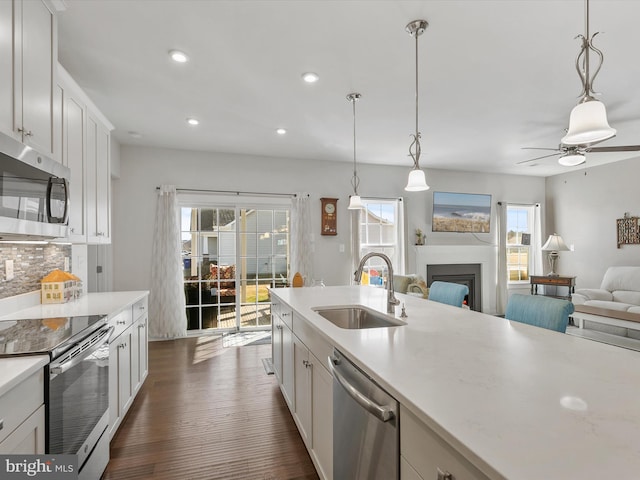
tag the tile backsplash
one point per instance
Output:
(31, 262)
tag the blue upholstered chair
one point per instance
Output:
(449, 293)
(541, 311)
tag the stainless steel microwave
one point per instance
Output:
(34, 193)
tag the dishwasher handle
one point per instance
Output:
(382, 412)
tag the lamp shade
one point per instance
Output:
(572, 159)
(417, 181)
(588, 124)
(555, 244)
(355, 203)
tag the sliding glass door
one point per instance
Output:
(231, 255)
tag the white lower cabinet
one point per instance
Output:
(322, 417)
(425, 455)
(302, 379)
(306, 384)
(128, 360)
(22, 417)
(139, 343)
(120, 397)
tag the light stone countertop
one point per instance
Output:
(13, 370)
(16, 369)
(519, 402)
(104, 303)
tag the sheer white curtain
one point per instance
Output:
(501, 290)
(402, 253)
(355, 242)
(536, 241)
(301, 258)
(167, 315)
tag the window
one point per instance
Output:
(231, 255)
(382, 231)
(520, 225)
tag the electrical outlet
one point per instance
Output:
(8, 269)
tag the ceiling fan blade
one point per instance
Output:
(539, 158)
(540, 148)
(618, 148)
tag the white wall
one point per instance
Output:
(142, 169)
(584, 206)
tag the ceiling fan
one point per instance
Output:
(572, 155)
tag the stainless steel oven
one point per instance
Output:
(77, 407)
(76, 383)
(34, 192)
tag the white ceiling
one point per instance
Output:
(495, 76)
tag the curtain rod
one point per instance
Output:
(519, 204)
(235, 192)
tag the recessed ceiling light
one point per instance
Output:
(310, 77)
(281, 131)
(193, 121)
(178, 56)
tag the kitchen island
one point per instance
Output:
(512, 400)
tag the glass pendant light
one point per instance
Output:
(355, 203)
(417, 181)
(588, 122)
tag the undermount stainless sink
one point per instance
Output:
(357, 317)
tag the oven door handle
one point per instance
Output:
(63, 367)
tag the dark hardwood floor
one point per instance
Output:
(208, 412)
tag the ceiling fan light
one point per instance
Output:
(588, 124)
(417, 181)
(355, 203)
(572, 159)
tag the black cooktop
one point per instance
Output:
(46, 335)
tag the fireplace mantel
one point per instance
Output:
(485, 255)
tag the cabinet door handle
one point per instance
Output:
(1, 423)
(286, 314)
(121, 322)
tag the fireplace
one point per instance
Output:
(468, 274)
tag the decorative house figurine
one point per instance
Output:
(60, 287)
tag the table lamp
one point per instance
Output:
(554, 245)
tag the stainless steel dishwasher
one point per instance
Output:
(366, 435)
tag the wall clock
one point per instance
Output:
(329, 216)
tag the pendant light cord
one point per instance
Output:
(355, 181)
(415, 155)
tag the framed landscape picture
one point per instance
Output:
(461, 212)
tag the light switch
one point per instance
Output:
(8, 269)
(341, 248)
(66, 264)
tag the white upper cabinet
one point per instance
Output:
(85, 136)
(28, 56)
(98, 181)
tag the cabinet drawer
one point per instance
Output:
(20, 402)
(121, 322)
(139, 309)
(425, 451)
(286, 315)
(312, 339)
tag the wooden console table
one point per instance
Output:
(558, 281)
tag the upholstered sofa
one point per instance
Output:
(411, 285)
(611, 313)
(619, 290)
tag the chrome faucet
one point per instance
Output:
(392, 301)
